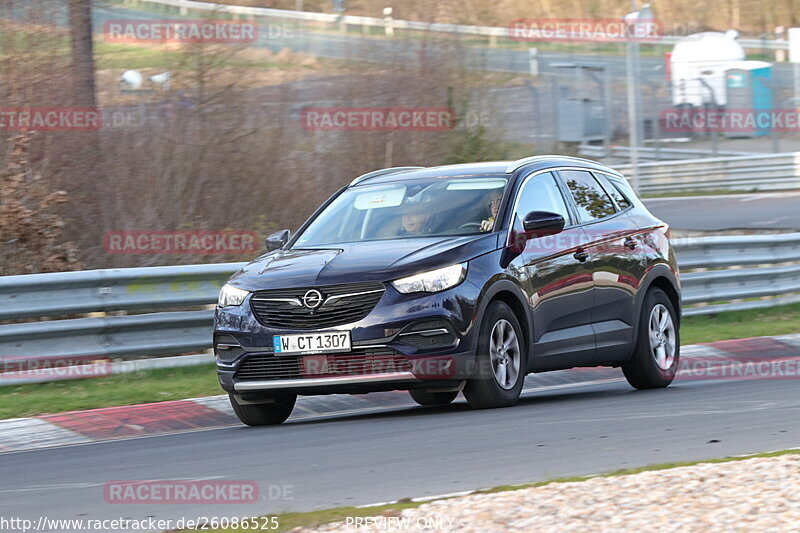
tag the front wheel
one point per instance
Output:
(501, 358)
(264, 414)
(657, 353)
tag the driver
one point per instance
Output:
(493, 205)
(416, 218)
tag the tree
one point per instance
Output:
(83, 81)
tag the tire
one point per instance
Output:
(656, 356)
(485, 391)
(432, 398)
(264, 414)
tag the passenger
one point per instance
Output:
(493, 205)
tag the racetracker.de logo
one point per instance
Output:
(48, 368)
(584, 30)
(739, 368)
(435, 367)
(734, 120)
(377, 119)
(182, 492)
(50, 119)
(180, 242)
(179, 31)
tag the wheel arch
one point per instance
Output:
(662, 277)
(512, 295)
(663, 283)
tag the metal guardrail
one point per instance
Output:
(737, 251)
(759, 270)
(97, 292)
(720, 273)
(128, 289)
(748, 172)
(183, 6)
(649, 152)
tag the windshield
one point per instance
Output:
(464, 205)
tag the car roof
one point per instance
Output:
(477, 170)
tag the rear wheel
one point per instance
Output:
(501, 360)
(264, 414)
(432, 398)
(657, 354)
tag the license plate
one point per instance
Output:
(311, 343)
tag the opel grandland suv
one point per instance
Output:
(454, 278)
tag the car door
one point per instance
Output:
(616, 260)
(556, 275)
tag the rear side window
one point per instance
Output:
(592, 201)
(614, 191)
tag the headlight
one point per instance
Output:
(433, 281)
(230, 295)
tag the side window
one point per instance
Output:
(625, 188)
(541, 193)
(592, 201)
(614, 191)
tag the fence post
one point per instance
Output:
(388, 21)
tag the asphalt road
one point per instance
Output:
(414, 451)
(763, 211)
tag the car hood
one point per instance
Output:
(383, 260)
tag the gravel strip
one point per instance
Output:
(759, 494)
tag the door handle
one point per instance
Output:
(581, 255)
(630, 243)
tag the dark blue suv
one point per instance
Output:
(453, 278)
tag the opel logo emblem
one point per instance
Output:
(312, 299)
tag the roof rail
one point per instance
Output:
(519, 163)
(381, 172)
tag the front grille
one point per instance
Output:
(279, 307)
(360, 361)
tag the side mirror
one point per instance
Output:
(277, 240)
(541, 223)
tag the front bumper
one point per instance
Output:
(386, 332)
(332, 381)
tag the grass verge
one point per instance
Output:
(120, 389)
(288, 521)
(781, 320)
(191, 382)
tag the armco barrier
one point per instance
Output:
(743, 173)
(664, 153)
(126, 289)
(184, 7)
(719, 273)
